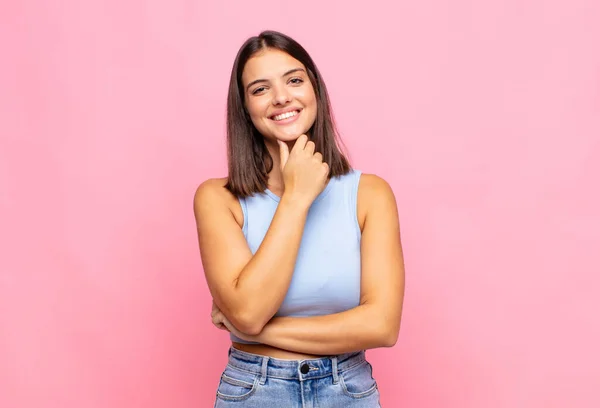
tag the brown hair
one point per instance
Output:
(249, 161)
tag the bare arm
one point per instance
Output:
(376, 321)
(237, 280)
(249, 289)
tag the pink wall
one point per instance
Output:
(484, 117)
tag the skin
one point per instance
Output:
(247, 290)
(284, 85)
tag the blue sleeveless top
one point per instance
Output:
(326, 276)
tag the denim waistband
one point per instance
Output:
(294, 369)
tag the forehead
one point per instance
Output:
(269, 64)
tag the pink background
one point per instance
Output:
(483, 116)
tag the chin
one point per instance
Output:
(288, 138)
(291, 136)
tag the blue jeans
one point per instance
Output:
(254, 381)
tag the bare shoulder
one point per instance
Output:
(374, 184)
(374, 194)
(210, 188)
(374, 190)
(211, 195)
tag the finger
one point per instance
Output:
(221, 326)
(300, 143)
(310, 147)
(228, 324)
(284, 153)
(217, 317)
(318, 157)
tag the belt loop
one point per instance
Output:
(263, 371)
(334, 369)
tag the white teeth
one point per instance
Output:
(285, 115)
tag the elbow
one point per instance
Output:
(248, 323)
(390, 339)
(388, 335)
(251, 329)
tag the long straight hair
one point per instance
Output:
(249, 161)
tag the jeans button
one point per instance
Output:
(304, 368)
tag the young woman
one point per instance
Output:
(301, 252)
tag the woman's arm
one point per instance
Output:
(352, 330)
(237, 279)
(376, 321)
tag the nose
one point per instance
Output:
(282, 96)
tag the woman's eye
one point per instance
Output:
(296, 80)
(258, 90)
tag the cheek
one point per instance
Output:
(307, 96)
(256, 109)
(310, 100)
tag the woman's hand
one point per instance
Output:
(305, 174)
(218, 318)
(222, 323)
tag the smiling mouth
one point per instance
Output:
(284, 116)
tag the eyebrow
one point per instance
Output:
(291, 71)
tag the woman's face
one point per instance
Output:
(279, 96)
